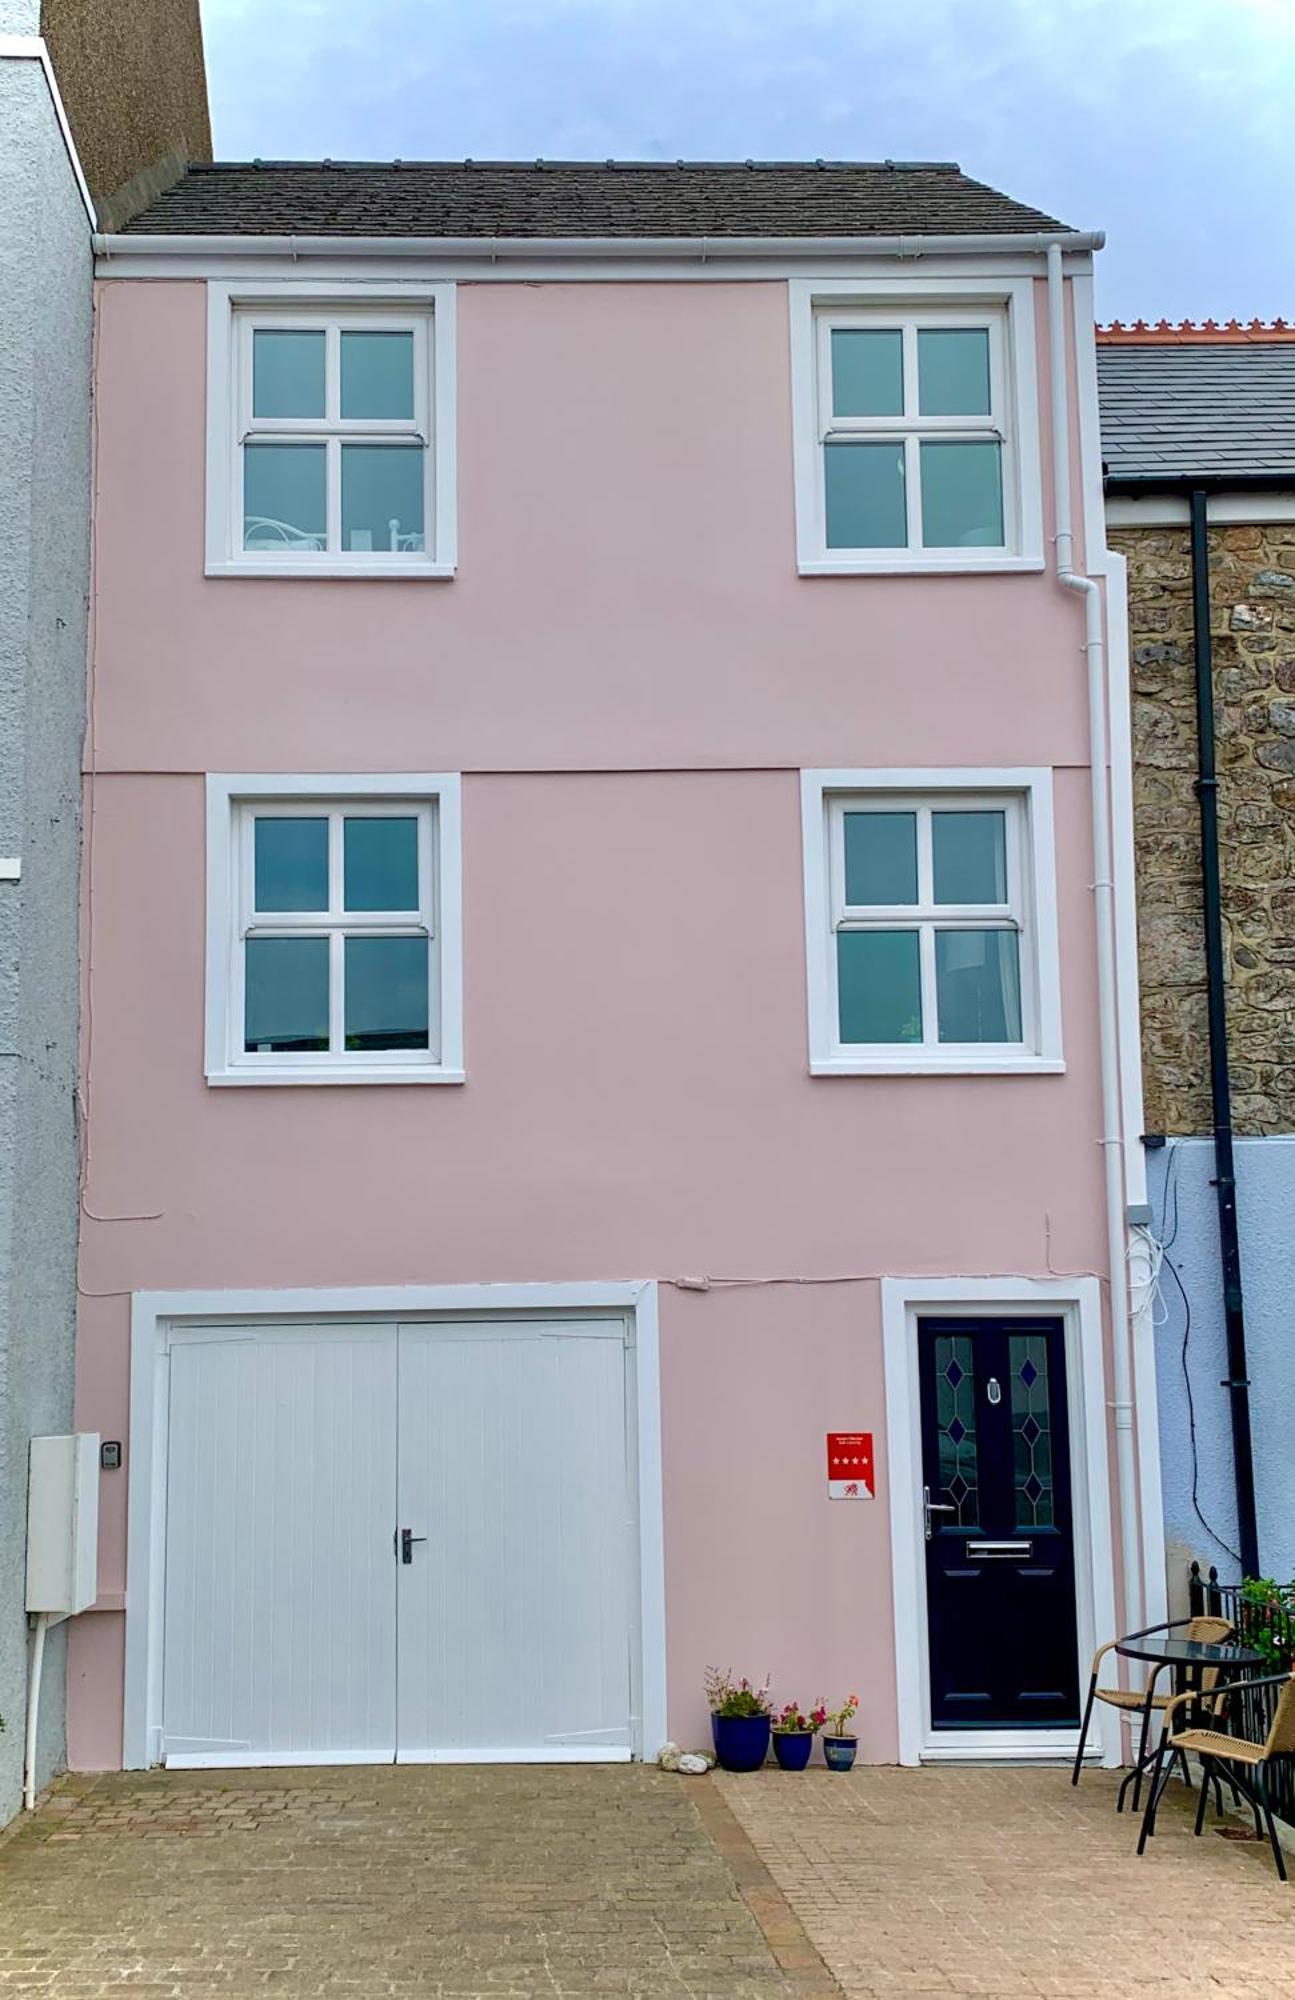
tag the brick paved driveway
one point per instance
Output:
(451, 1881)
(577, 1882)
(1008, 1883)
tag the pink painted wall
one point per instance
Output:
(629, 673)
(627, 592)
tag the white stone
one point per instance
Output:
(692, 1765)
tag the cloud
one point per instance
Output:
(1163, 121)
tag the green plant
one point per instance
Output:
(725, 1696)
(841, 1718)
(1268, 1620)
(793, 1721)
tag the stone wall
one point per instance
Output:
(1252, 588)
(131, 75)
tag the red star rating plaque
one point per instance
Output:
(849, 1465)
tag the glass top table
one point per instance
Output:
(1189, 1660)
(1187, 1656)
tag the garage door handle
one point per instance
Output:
(407, 1540)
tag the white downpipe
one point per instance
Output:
(1112, 1139)
(33, 1709)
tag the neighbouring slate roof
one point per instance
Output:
(1214, 410)
(582, 198)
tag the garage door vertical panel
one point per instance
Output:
(590, 1583)
(279, 1602)
(514, 1632)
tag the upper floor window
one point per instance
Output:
(912, 428)
(330, 435)
(916, 439)
(333, 929)
(931, 929)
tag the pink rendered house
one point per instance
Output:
(610, 941)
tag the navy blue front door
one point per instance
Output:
(1000, 1552)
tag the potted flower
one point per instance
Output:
(838, 1747)
(794, 1733)
(740, 1720)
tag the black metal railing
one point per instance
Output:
(1263, 1615)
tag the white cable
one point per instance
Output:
(33, 1709)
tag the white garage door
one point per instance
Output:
(409, 1542)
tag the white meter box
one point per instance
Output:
(63, 1524)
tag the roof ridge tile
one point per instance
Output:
(1193, 333)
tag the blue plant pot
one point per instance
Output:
(792, 1747)
(839, 1752)
(741, 1741)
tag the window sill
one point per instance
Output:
(342, 1074)
(936, 1066)
(935, 565)
(400, 571)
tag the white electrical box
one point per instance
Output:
(63, 1524)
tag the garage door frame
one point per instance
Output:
(156, 1316)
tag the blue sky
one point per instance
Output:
(1167, 123)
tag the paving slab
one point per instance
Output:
(451, 1882)
(1002, 1884)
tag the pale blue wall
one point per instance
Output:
(1266, 1209)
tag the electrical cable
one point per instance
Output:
(1167, 1238)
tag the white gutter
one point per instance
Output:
(705, 249)
(1112, 1139)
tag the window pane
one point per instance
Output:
(1031, 1432)
(867, 373)
(865, 496)
(955, 1417)
(286, 1001)
(377, 374)
(291, 864)
(978, 986)
(953, 371)
(382, 497)
(879, 986)
(288, 374)
(386, 992)
(880, 857)
(283, 497)
(962, 495)
(381, 864)
(970, 853)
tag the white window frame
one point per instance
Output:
(1006, 310)
(1026, 796)
(233, 802)
(234, 313)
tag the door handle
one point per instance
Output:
(930, 1507)
(407, 1540)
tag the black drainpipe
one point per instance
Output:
(1236, 1382)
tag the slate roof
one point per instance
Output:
(582, 198)
(1212, 411)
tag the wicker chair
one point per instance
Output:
(1207, 1631)
(1244, 1762)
